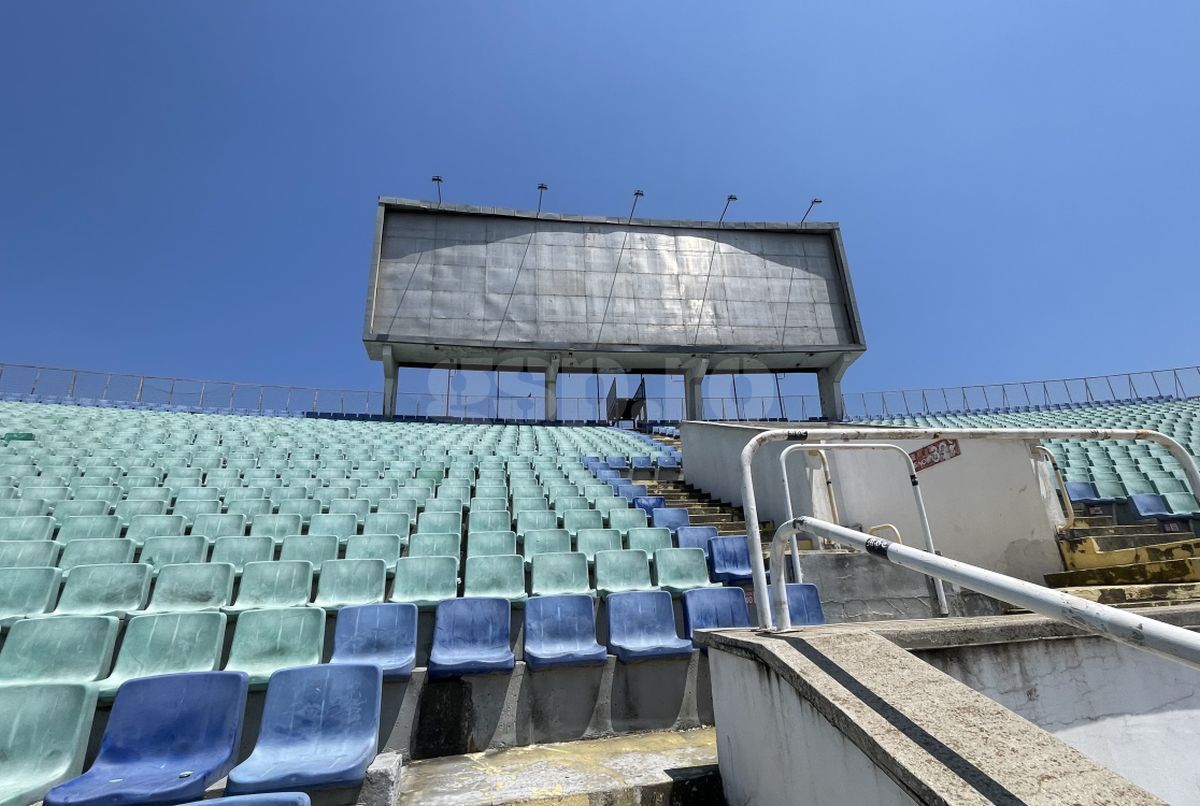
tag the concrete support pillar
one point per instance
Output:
(390, 370)
(551, 377)
(693, 396)
(829, 387)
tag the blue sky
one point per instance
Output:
(189, 188)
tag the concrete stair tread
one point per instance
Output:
(1140, 573)
(1091, 554)
(1134, 595)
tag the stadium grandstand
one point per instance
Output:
(234, 593)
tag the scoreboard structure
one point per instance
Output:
(488, 289)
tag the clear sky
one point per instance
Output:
(188, 188)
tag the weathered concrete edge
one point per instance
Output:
(381, 786)
(895, 753)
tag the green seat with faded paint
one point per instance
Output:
(315, 549)
(95, 551)
(351, 582)
(278, 583)
(482, 544)
(58, 649)
(45, 737)
(559, 573)
(425, 581)
(111, 590)
(167, 643)
(28, 553)
(192, 586)
(620, 571)
(237, 551)
(172, 549)
(501, 576)
(273, 638)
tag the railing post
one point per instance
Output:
(171, 392)
(107, 383)
(232, 393)
(261, 390)
(137, 398)
(71, 387)
(203, 389)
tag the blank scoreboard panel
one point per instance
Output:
(466, 277)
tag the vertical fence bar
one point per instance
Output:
(137, 398)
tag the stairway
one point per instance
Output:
(1134, 564)
(702, 509)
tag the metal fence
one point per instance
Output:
(25, 381)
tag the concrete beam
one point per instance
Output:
(829, 387)
(551, 377)
(693, 394)
(389, 382)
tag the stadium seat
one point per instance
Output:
(351, 582)
(85, 527)
(589, 541)
(576, 519)
(75, 506)
(1082, 492)
(144, 526)
(620, 571)
(670, 518)
(561, 631)
(471, 636)
(105, 590)
(490, 521)
(406, 506)
(804, 604)
(1181, 504)
(249, 508)
(729, 559)
(95, 551)
(166, 643)
(678, 570)
(384, 635)
(649, 539)
(425, 581)
(559, 573)
(192, 586)
(501, 576)
(312, 548)
(26, 527)
(707, 608)
(265, 799)
(536, 520)
(429, 544)
(631, 492)
(386, 547)
(542, 541)
(22, 508)
(276, 527)
(168, 739)
(191, 510)
(279, 583)
(1152, 505)
(641, 626)
(237, 551)
(485, 544)
(27, 592)
(214, 526)
(45, 737)
(439, 523)
(320, 729)
(29, 553)
(160, 551)
(625, 519)
(696, 537)
(387, 523)
(273, 638)
(58, 649)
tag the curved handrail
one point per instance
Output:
(1063, 496)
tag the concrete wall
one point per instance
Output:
(984, 507)
(1133, 712)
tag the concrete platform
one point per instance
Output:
(647, 768)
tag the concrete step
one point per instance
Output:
(1094, 520)
(713, 519)
(1084, 554)
(1160, 572)
(1134, 595)
(646, 768)
(1114, 542)
(1111, 531)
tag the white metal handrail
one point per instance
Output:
(919, 500)
(1130, 628)
(750, 508)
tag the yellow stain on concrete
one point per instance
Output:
(1086, 553)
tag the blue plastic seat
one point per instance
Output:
(631, 491)
(729, 559)
(561, 631)
(381, 634)
(265, 799)
(1082, 492)
(470, 636)
(641, 626)
(695, 537)
(804, 603)
(706, 608)
(641, 462)
(669, 518)
(1148, 506)
(649, 503)
(320, 730)
(616, 462)
(161, 728)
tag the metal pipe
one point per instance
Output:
(918, 498)
(750, 507)
(879, 527)
(1138, 631)
(1063, 496)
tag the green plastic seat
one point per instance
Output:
(27, 527)
(571, 503)
(351, 582)
(274, 638)
(342, 524)
(108, 494)
(315, 549)
(589, 541)
(27, 592)
(304, 507)
(358, 507)
(95, 551)
(28, 553)
(58, 649)
(649, 539)
(191, 510)
(444, 504)
(439, 522)
(112, 589)
(195, 493)
(87, 527)
(538, 519)
(406, 506)
(387, 523)
(375, 547)
(23, 508)
(559, 573)
(501, 576)
(144, 526)
(435, 545)
(425, 581)
(543, 541)
(490, 521)
(532, 503)
(126, 511)
(214, 526)
(623, 520)
(52, 494)
(679, 570)
(576, 519)
(45, 737)
(148, 492)
(237, 551)
(166, 643)
(173, 549)
(282, 583)
(249, 508)
(481, 504)
(76, 506)
(276, 526)
(620, 571)
(485, 544)
(192, 586)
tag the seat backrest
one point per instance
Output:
(144, 526)
(804, 604)
(237, 551)
(729, 555)
(431, 544)
(109, 588)
(276, 526)
(28, 591)
(49, 725)
(576, 519)
(425, 579)
(160, 551)
(89, 526)
(590, 541)
(214, 526)
(96, 551)
(439, 522)
(531, 520)
(559, 573)
(1081, 491)
(490, 521)
(313, 548)
(640, 618)
(560, 623)
(28, 553)
(386, 547)
(627, 519)
(26, 527)
(649, 539)
(695, 537)
(385, 633)
(275, 583)
(670, 518)
(499, 575)
(386, 523)
(342, 524)
(192, 586)
(473, 623)
(58, 649)
(273, 637)
(705, 608)
(541, 541)
(622, 570)
(347, 582)
(480, 544)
